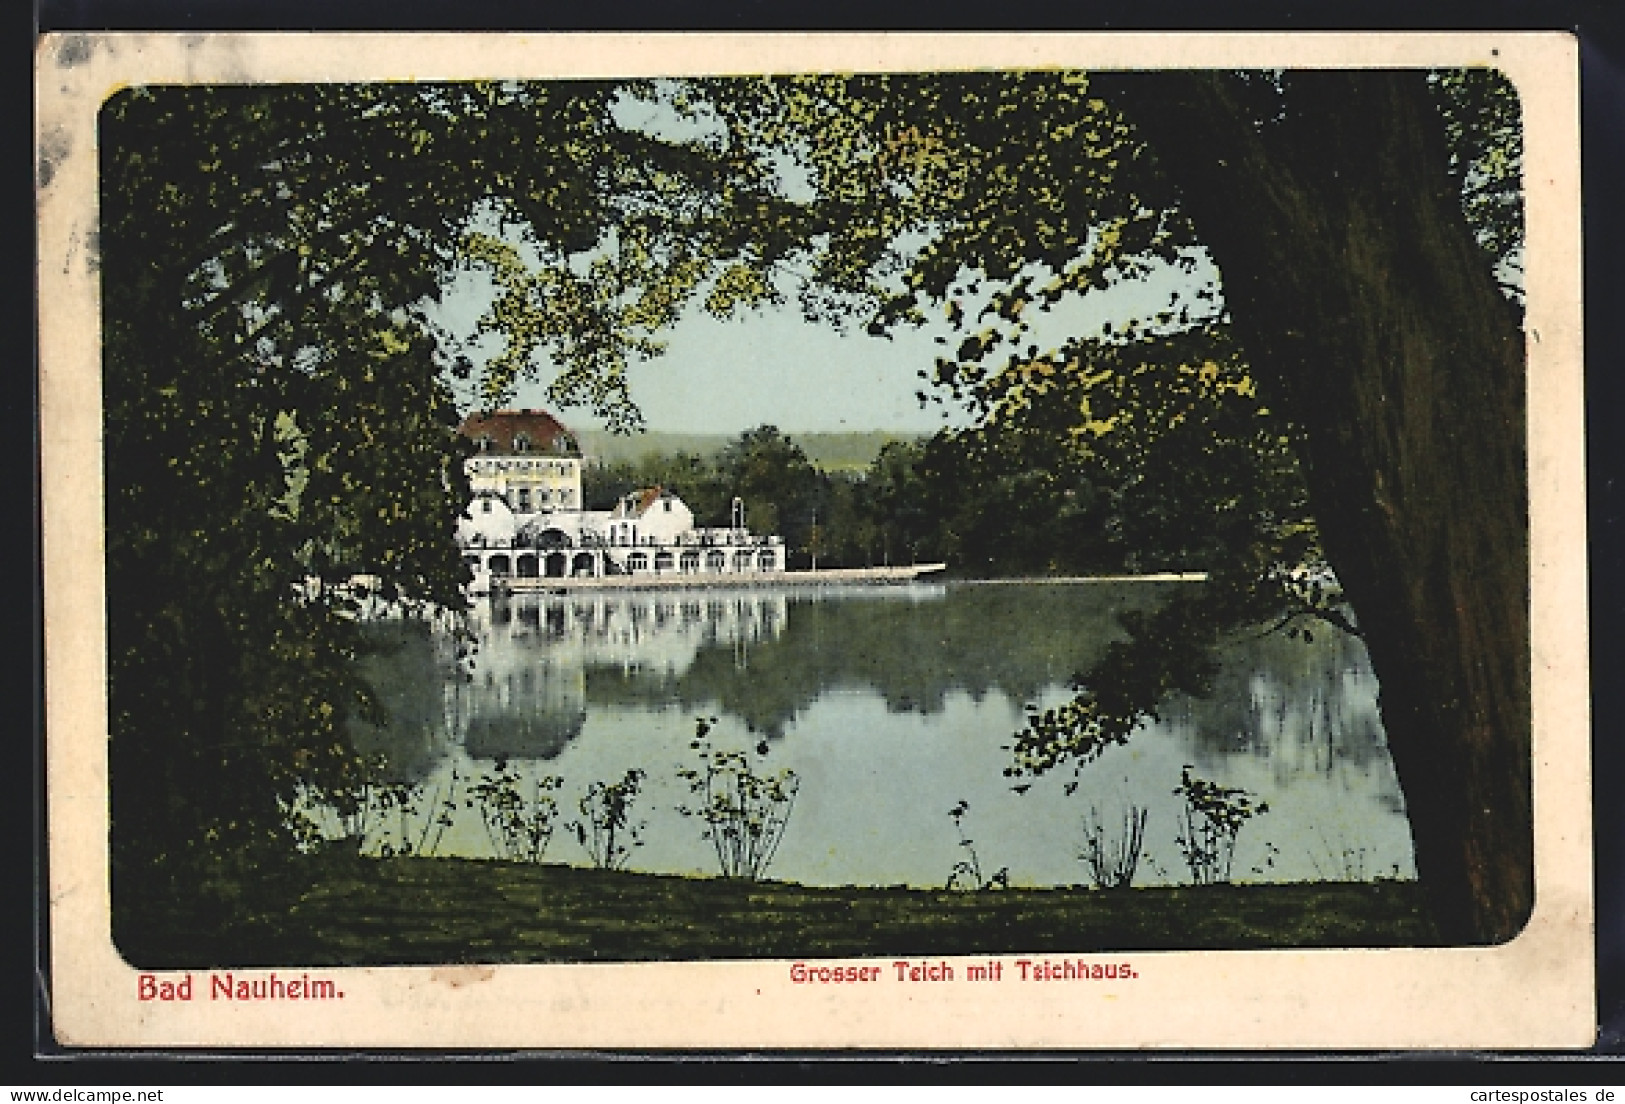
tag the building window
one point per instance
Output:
(667, 504)
(484, 443)
(485, 505)
(521, 442)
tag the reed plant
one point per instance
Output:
(606, 830)
(518, 812)
(745, 809)
(967, 872)
(1112, 846)
(1212, 819)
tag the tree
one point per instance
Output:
(897, 495)
(1371, 313)
(253, 441)
(1007, 500)
(691, 477)
(279, 412)
(777, 483)
(1371, 326)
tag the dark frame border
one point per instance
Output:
(1600, 27)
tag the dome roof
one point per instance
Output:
(520, 433)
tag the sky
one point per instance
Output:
(772, 367)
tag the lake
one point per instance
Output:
(892, 705)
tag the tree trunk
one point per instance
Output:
(1371, 318)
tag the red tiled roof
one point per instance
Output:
(647, 497)
(642, 500)
(543, 434)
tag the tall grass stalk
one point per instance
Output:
(1111, 852)
(1338, 860)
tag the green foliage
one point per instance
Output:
(778, 484)
(266, 423)
(518, 819)
(905, 509)
(1010, 500)
(745, 811)
(1484, 128)
(372, 815)
(987, 198)
(607, 830)
(360, 810)
(1016, 497)
(981, 199)
(691, 477)
(279, 411)
(834, 452)
(893, 159)
(1213, 817)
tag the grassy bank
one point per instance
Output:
(409, 911)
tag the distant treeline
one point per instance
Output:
(827, 450)
(988, 502)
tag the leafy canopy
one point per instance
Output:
(280, 409)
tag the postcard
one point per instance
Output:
(741, 542)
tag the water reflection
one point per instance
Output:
(529, 693)
(892, 704)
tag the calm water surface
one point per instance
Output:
(892, 704)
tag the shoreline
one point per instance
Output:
(1150, 577)
(729, 581)
(882, 575)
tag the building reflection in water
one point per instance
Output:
(527, 694)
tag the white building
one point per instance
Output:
(526, 520)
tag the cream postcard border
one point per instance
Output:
(1536, 991)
